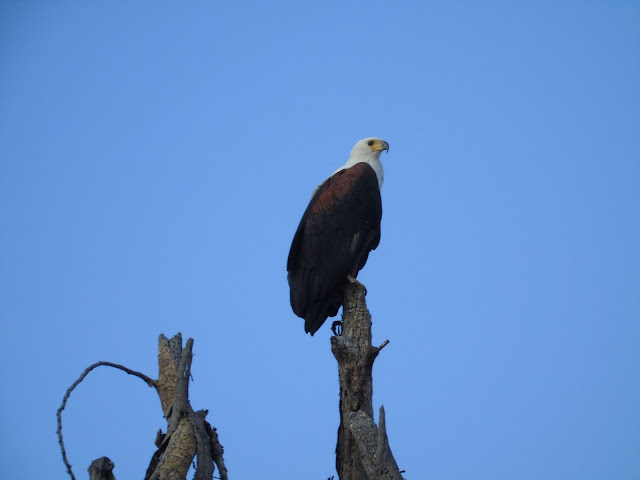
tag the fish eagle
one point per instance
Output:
(338, 229)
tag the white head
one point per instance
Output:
(368, 150)
(370, 147)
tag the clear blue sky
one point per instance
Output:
(155, 159)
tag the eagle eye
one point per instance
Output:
(370, 142)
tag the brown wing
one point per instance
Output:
(339, 228)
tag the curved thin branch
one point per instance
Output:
(150, 382)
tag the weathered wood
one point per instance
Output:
(188, 435)
(169, 356)
(101, 469)
(363, 451)
(178, 453)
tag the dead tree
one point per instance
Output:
(363, 451)
(188, 435)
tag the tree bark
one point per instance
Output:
(101, 469)
(188, 435)
(363, 451)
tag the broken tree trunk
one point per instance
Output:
(363, 451)
(188, 435)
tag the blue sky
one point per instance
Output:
(155, 160)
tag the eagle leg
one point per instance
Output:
(336, 328)
(353, 280)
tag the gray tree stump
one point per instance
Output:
(363, 451)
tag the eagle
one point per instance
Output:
(339, 228)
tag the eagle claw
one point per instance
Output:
(336, 328)
(352, 280)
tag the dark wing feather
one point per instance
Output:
(339, 228)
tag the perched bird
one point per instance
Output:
(339, 228)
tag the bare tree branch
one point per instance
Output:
(216, 451)
(150, 382)
(188, 435)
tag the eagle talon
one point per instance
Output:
(336, 328)
(356, 282)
